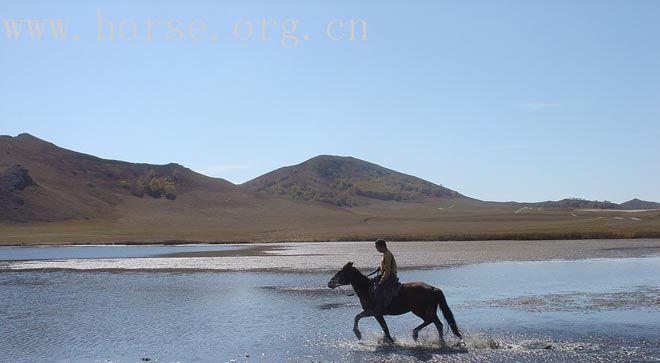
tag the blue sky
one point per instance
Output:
(500, 100)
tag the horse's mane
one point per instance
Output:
(359, 276)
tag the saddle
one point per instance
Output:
(389, 293)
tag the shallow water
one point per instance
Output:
(13, 253)
(585, 310)
(315, 256)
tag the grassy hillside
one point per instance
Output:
(346, 181)
(52, 195)
(70, 185)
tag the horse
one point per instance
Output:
(419, 298)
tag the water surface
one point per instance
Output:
(14, 253)
(530, 311)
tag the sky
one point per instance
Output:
(499, 100)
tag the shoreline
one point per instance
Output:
(294, 271)
(317, 257)
(623, 235)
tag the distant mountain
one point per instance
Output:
(41, 182)
(577, 203)
(49, 194)
(346, 181)
(640, 204)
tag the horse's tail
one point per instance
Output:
(449, 316)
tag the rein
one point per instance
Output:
(342, 291)
(352, 293)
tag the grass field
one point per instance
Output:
(461, 219)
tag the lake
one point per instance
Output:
(578, 310)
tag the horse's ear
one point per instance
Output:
(349, 264)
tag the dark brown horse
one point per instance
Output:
(417, 297)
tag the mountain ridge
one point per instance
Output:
(344, 181)
(49, 194)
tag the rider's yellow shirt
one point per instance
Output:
(387, 265)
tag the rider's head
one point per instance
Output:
(381, 246)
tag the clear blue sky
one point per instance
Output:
(500, 100)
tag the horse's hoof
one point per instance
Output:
(390, 341)
(415, 335)
(358, 334)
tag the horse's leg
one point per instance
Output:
(386, 330)
(438, 324)
(420, 327)
(426, 322)
(356, 329)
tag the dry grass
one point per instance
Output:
(467, 220)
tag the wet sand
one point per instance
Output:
(329, 256)
(461, 252)
(251, 250)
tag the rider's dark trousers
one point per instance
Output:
(382, 289)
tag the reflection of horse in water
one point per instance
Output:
(417, 297)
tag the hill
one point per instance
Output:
(72, 185)
(577, 203)
(51, 195)
(640, 204)
(346, 181)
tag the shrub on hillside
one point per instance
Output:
(137, 188)
(169, 189)
(155, 188)
(151, 185)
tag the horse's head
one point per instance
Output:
(342, 277)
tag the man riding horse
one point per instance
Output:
(419, 298)
(386, 280)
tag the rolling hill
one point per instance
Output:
(73, 185)
(640, 204)
(346, 181)
(49, 194)
(578, 203)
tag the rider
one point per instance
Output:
(387, 277)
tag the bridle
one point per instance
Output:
(343, 292)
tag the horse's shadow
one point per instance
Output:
(418, 351)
